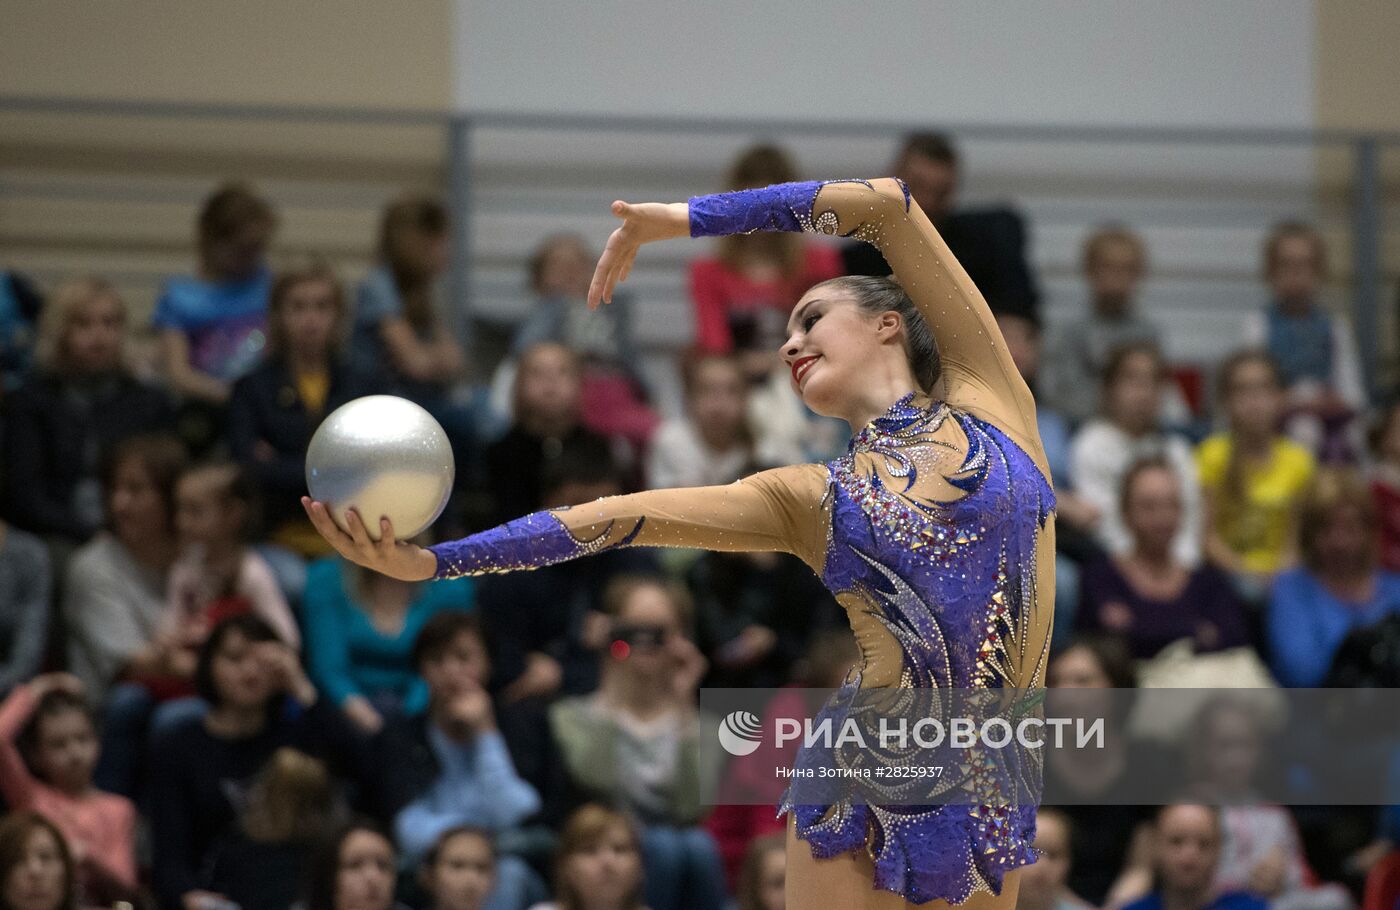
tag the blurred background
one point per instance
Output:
(218, 221)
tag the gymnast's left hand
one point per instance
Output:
(387, 556)
(645, 222)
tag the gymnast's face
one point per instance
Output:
(832, 343)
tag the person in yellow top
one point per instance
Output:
(1252, 475)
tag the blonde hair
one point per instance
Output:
(291, 800)
(588, 825)
(1332, 490)
(58, 313)
(620, 590)
(1108, 235)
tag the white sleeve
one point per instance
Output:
(1347, 380)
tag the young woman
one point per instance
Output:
(37, 871)
(598, 864)
(355, 870)
(936, 523)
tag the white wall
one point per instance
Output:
(1184, 62)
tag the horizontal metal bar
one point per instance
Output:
(666, 123)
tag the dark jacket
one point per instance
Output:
(990, 244)
(56, 435)
(265, 405)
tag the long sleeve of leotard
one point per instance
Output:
(779, 510)
(979, 375)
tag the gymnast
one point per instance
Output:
(935, 531)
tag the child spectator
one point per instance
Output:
(259, 700)
(1146, 595)
(211, 324)
(546, 424)
(276, 408)
(637, 742)
(1385, 485)
(449, 766)
(1185, 857)
(360, 630)
(1251, 476)
(459, 872)
(81, 401)
(613, 397)
(25, 582)
(356, 869)
(36, 868)
(218, 574)
(711, 444)
(1129, 430)
(1261, 852)
(1339, 585)
(49, 721)
(1316, 351)
(598, 863)
(291, 806)
(1114, 262)
(762, 881)
(1045, 883)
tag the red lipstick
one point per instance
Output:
(800, 366)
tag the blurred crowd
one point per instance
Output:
(203, 708)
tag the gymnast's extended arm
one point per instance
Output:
(778, 510)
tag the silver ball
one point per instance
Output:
(383, 456)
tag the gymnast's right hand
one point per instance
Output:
(645, 222)
(387, 556)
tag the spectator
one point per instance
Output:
(762, 882)
(1114, 262)
(276, 408)
(746, 292)
(1339, 585)
(218, 574)
(20, 303)
(989, 243)
(1045, 883)
(211, 324)
(612, 395)
(360, 629)
(262, 860)
(712, 443)
(1261, 851)
(25, 583)
(637, 742)
(459, 872)
(599, 863)
(36, 866)
(1146, 595)
(449, 766)
(1129, 430)
(1385, 485)
(1315, 350)
(1186, 854)
(81, 401)
(546, 424)
(49, 723)
(259, 701)
(1252, 477)
(1095, 786)
(546, 628)
(354, 870)
(116, 586)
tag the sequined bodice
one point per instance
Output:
(935, 539)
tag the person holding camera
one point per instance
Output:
(636, 742)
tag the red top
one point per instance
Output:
(1387, 499)
(718, 291)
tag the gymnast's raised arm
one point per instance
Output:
(979, 375)
(779, 510)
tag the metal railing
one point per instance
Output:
(460, 131)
